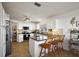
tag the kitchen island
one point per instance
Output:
(34, 43)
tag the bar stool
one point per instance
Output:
(55, 43)
(54, 46)
(61, 39)
(45, 46)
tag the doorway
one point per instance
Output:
(14, 32)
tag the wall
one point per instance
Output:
(51, 23)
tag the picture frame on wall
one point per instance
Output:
(77, 23)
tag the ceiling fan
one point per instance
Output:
(28, 19)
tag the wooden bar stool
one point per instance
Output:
(54, 47)
(61, 40)
(55, 43)
(46, 45)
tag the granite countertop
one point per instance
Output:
(36, 39)
(42, 33)
(24, 33)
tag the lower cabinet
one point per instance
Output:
(20, 38)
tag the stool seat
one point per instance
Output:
(54, 42)
(44, 45)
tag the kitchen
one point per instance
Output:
(30, 24)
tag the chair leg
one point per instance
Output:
(62, 45)
(48, 50)
(53, 49)
(45, 51)
(41, 52)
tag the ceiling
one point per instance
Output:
(18, 10)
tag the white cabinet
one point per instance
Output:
(20, 38)
(34, 47)
(31, 47)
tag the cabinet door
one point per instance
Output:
(32, 47)
(20, 38)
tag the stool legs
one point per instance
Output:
(44, 51)
(54, 48)
(41, 52)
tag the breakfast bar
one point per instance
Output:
(34, 43)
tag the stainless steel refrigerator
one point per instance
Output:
(8, 38)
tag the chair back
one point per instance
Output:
(58, 34)
(61, 38)
(57, 31)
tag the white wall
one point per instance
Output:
(51, 24)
